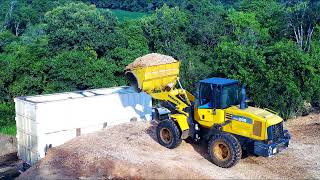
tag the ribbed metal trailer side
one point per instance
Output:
(50, 120)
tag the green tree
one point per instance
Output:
(132, 45)
(27, 67)
(6, 114)
(244, 28)
(34, 34)
(270, 14)
(42, 6)
(165, 31)
(18, 14)
(195, 67)
(289, 79)
(206, 23)
(79, 70)
(241, 62)
(302, 16)
(6, 38)
(5, 77)
(80, 27)
(315, 57)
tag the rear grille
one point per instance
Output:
(277, 132)
(257, 126)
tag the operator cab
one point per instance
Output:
(219, 93)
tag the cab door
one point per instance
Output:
(206, 112)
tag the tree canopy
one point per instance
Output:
(273, 46)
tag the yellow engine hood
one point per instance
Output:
(268, 116)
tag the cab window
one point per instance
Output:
(205, 96)
(230, 96)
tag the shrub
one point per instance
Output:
(6, 114)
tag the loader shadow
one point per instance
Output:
(198, 147)
(202, 148)
(151, 130)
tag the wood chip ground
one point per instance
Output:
(131, 151)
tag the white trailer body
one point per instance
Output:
(50, 120)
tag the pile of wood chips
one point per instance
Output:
(152, 59)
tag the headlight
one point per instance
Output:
(270, 151)
(274, 150)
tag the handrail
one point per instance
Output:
(272, 111)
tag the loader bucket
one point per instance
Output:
(154, 78)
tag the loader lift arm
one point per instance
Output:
(179, 97)
(160, 83)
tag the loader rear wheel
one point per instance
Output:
(224, 150)
(168, 134)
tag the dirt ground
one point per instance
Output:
(8, 144)
(9, 162)
(131, 151)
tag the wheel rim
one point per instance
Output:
(165, 135)
(221, 151)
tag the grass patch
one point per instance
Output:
(8, 129)
(127, 15)
(7, 122)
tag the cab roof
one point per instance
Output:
(219, 81)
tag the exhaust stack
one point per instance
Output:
(243, 103)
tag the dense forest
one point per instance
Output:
(273, 46)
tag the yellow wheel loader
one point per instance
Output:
(218, 114)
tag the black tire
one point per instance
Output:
(224, 150)
(168, 134)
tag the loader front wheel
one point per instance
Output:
(168, 134)
(224, 150)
